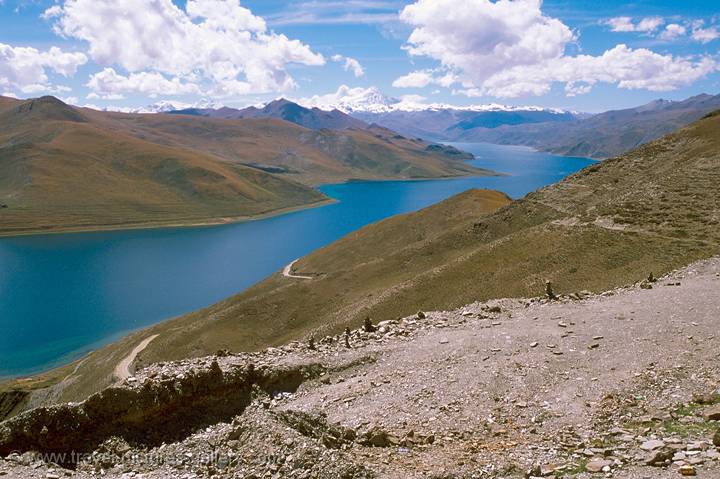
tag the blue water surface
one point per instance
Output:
(62, 295)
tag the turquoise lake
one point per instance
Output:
(63, 295)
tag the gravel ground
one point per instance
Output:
(625, 383)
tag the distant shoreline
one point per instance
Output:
(227, 220)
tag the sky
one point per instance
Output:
(574, 54)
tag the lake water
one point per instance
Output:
(63, 295)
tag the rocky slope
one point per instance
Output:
(620, 384)
(654, 209)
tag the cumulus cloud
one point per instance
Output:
(627, 24)
(350, 64)
(628, 68)
(703, 34)
(673, 31)
(26, 69)
(693, 30)
(217, 44)
(510, 48)
(416, 79)
(481, 37)
(423, 78)
(109, 84)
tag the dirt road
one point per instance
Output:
(122, 370)
(287, 272)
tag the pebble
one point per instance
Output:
(688, 470)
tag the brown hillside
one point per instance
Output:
(652, 210)
(68, 168)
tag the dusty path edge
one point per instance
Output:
(287, 271)
(122, 370)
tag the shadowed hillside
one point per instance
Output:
(603, 135)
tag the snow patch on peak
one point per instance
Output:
(372, 100)
(162, 106)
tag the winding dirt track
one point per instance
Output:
(287, 272)
(122, 370)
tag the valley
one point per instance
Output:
(365, 239)
(474, 246)
(66, 168)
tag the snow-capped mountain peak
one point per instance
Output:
(372, 100)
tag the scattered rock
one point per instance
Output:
(652, 445)
(368, 325)
(706, 399)
(659, 458)
(421, 315)
(597, 465)
(712, 414)
(688, 470)
(716, 439)
(378, 437)
(549, 291)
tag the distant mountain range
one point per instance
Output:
(76, 168)
(580, 134)
(313, 118)
(433, 122)
(597, 136)
(600, 136)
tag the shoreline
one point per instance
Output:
(227, 220)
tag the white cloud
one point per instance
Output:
(70, 100)
(626, 24)
(696, 30)
(109, 83)
(26, 69)
(105, 96)
(216, 44)
(672, 32)
(480, 37)
(626, 67)
(649, 24)
(704, 34)
(423, 78)
(510, 48)
(621, 24)
(350, 64)
(416, 79)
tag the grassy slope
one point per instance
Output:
(68, 168)
(652, 210)
(308, 156)
(660, 205)
(60, 170)
(664, 195)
